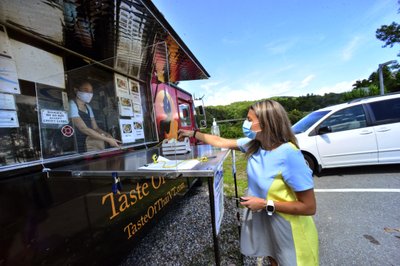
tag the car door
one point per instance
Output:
(349, 142)
(386, 119)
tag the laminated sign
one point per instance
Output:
(54, 117)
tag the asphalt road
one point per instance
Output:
(358, 215)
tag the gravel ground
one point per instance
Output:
(184, 237)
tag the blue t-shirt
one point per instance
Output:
(286, 161)
(73, 110)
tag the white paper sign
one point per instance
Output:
(137, 108)
(127, 132)
(166, 164)
(7, 101)
(138, 129)
(125, 106)
(134, 87)
(135, 98)
(219, 198)
(54, 117)
(121, 86)
(8, 119)
(8, 76)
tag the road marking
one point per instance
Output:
(358, 190)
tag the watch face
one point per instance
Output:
(270, 208)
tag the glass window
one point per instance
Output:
(387, 111)
(346, 119)
(56, 132)
(184, 114)
(308, 121)
(19, 130)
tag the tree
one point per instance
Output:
(361, 84)
(390, 34)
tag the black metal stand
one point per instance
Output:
(237, 198)
(213, 222)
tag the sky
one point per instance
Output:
(257, 49)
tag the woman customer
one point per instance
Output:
(89, 136)
(280, 203)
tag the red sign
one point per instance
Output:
(67, 131)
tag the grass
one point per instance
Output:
(241, 175)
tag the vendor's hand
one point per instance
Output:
(253, 203)
(113, 142)
(182, 133)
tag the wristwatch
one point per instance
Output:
(270, 208)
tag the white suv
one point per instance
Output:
(360, 132)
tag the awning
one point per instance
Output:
(127, 37)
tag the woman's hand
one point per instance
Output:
(182, 133)
(254, 203)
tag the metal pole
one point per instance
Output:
(381, 87)
(213, 222)
(236, 196)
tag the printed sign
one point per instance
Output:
(7, 101)
(219, 197)
(67, 131)
(8, 76)
(127, 132)
(134, 87)
(136, 98)
(138, 129)
(8, 119)
(125, 106)
(121, 86)
(54, 117)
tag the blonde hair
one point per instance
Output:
(275, 125)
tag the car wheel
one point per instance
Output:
(310, 162)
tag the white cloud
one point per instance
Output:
(280, 46)
(218, 94)
(305, 82)
(336, 88)
(351, 47)
(246, 92)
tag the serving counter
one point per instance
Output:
(122, 170)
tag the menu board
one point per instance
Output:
(130, 109)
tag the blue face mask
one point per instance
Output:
(247, 130)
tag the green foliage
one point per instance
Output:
(391, 81)
(390, 34)
(241, 176)
(296, 107)
(361, 92)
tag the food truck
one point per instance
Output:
(62, 206)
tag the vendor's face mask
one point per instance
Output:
(247, 129)
(86, 97)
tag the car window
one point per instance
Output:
(307, 121)
(346, 119)
(387, 111)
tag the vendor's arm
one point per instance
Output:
(209, 139)
(98, 129)
(81, 126)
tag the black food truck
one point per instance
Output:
(63, 201)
